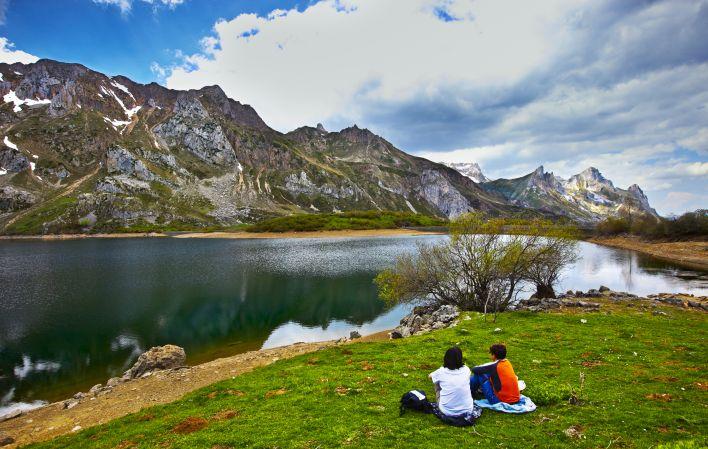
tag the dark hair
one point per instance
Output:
(453, 358)
(499, 351)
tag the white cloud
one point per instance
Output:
(305, 67)
(9, 55)
(126, 5)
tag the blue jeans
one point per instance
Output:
(483, 382)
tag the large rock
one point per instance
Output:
(425, 318)
(13, 199)
(12, 160)
(157, 358)
(121, 161)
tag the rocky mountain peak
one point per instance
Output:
(355, 134)
(321, 128)
(470, 169)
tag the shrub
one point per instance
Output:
(483, 265)
(549, 393)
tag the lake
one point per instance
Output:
(74, 313)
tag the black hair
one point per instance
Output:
(453, 358)
(499, 351)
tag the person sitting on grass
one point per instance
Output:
(496, 380)
(455, 405)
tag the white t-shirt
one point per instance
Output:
(455, 393)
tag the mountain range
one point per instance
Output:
(585, 197)
(84, 151)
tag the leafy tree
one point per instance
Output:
(484, 266)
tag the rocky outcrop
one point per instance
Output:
(424, 319)
(12, 160)
(14, 199)
(192, 127)
(121, 161)
(578, 299)
(544, 304)
(157, 358)
(437, 190)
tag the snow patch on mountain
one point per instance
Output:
(11, 97)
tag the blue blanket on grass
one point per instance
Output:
(524, 405)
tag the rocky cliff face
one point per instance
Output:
(82, 151)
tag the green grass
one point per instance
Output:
(346, 220)
(33, 222)
(347, 396)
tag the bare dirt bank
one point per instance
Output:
(305, 234)
(690, 253)
(230, 235)
(162, 387)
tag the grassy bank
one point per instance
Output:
(645, 385)
(356, 220)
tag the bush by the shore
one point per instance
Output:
(688, 225)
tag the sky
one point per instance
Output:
(510, 84)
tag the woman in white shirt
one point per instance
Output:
(452, 389)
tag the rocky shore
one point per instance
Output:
(423, 319)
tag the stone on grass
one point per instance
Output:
(354, 334)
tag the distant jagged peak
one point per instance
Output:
(593, 174)
(321, 128)
(470, 169)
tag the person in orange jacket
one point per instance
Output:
(496, 380)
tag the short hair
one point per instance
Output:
(498, 350)
(453, 358)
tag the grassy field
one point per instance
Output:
(645, 386)
(346, 220)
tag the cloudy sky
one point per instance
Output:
(619, 85)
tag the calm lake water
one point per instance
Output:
(74, 313)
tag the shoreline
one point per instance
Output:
(53, 419)
(692, 254)
(230, 234)
(161, 387)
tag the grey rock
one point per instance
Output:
(12, 160)
(13, 414)
(157, 358)
(604, 289)
(354, 334)
(14, 199)
(95, 389)
(121, 161)
(6, 440)
(113, 381)
(425, 318)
